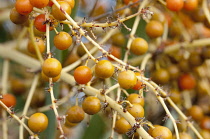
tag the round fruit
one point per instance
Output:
(51, 67)
(205, 54)
(58, 13)
(196, 112)
(115, 51)
(39, 42)
(154, 29)
(161, 131)
(91, 105)
(82, 74)
(127, 79)
(40, 23)
(186, 82)
(205, 123)
(195, 59)
(9, 100)
(173, 72)
(38, 122)
(70, 2)
(122, 126)
(39, 3)
(139, 84)
(75, 114)
(69, 124)
(139, 46)
(18, 86)
(190, 5)
(151, 129)
(174, 5)
(184, 135)
(17, 18)
(136, 98)
(62, 40)
(137, 111)
(161, 76)
(175, 96)
(104, 69)
(118, 39)
(23, 7)
(46, 78)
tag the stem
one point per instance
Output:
(145, 60)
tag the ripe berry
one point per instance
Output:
(161, 131)
(82, 74)
(69, 124)
(174, 5)
(62, 40)
(139, 46)
(161, 76)
(190, 5)
(118, 39)
(186, 82)
(18, 86)
(40, 23)
(23, 7)
(154, 29)
(75, 114)
(115, 51)
(17, 18)
(195, 59)
(9, 100)
(137, 111)
(70, 2)
(39, 3)
(46, 78)
(122, 126)
(196, 112)
(104, 69)
(205, 123)
(127, 79)
(58, 13)
(51, 67)
(136, 98)
(39, 42)
(91, 105)
(38, 122)
(139, 84)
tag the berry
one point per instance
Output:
(205, 123)
(39, 42)
(69, 124)
(139, 46)
(173, 71)
(196, 112)
(139, 84)
(127, 79)
(122, 126)
(104, 69)
(186, 82)
(161, 131)
(46, 78)
(91, 105)
(137, 111)
(23, 7)
(70, 2)
(58, 13)
(118, 39)
(38, 122)
(174, 5)
(17, 18)
(175, 96)
(82, 74)
(136, 98)
(161, 76)
(75, 114)
(154, 29)
(39, 3)
(62, 40)
(51, 67)
(115, 51)
(9, 100)
(190, 5)
(40, 23)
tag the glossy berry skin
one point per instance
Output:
(127, 79)
(137, 111)
(82, 74)
(39, 3)
(91, 105)
(154, 29)
(122, 126)
(139, 84)
(196, 112)
(104, 69)
(51, 67)
(40, 23)
(139, 46)
(118, 39)
(46, 79)
(161, 76)
(58, 13)
(62, 40)
(186, 82)
(17, 18)
(9, 100)
(23, 7)
(38, 122)
(174, 5)
(136, 98)
(190, 5)
(115, 51)
(161, 131)
(75, 114)
(39, 42)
